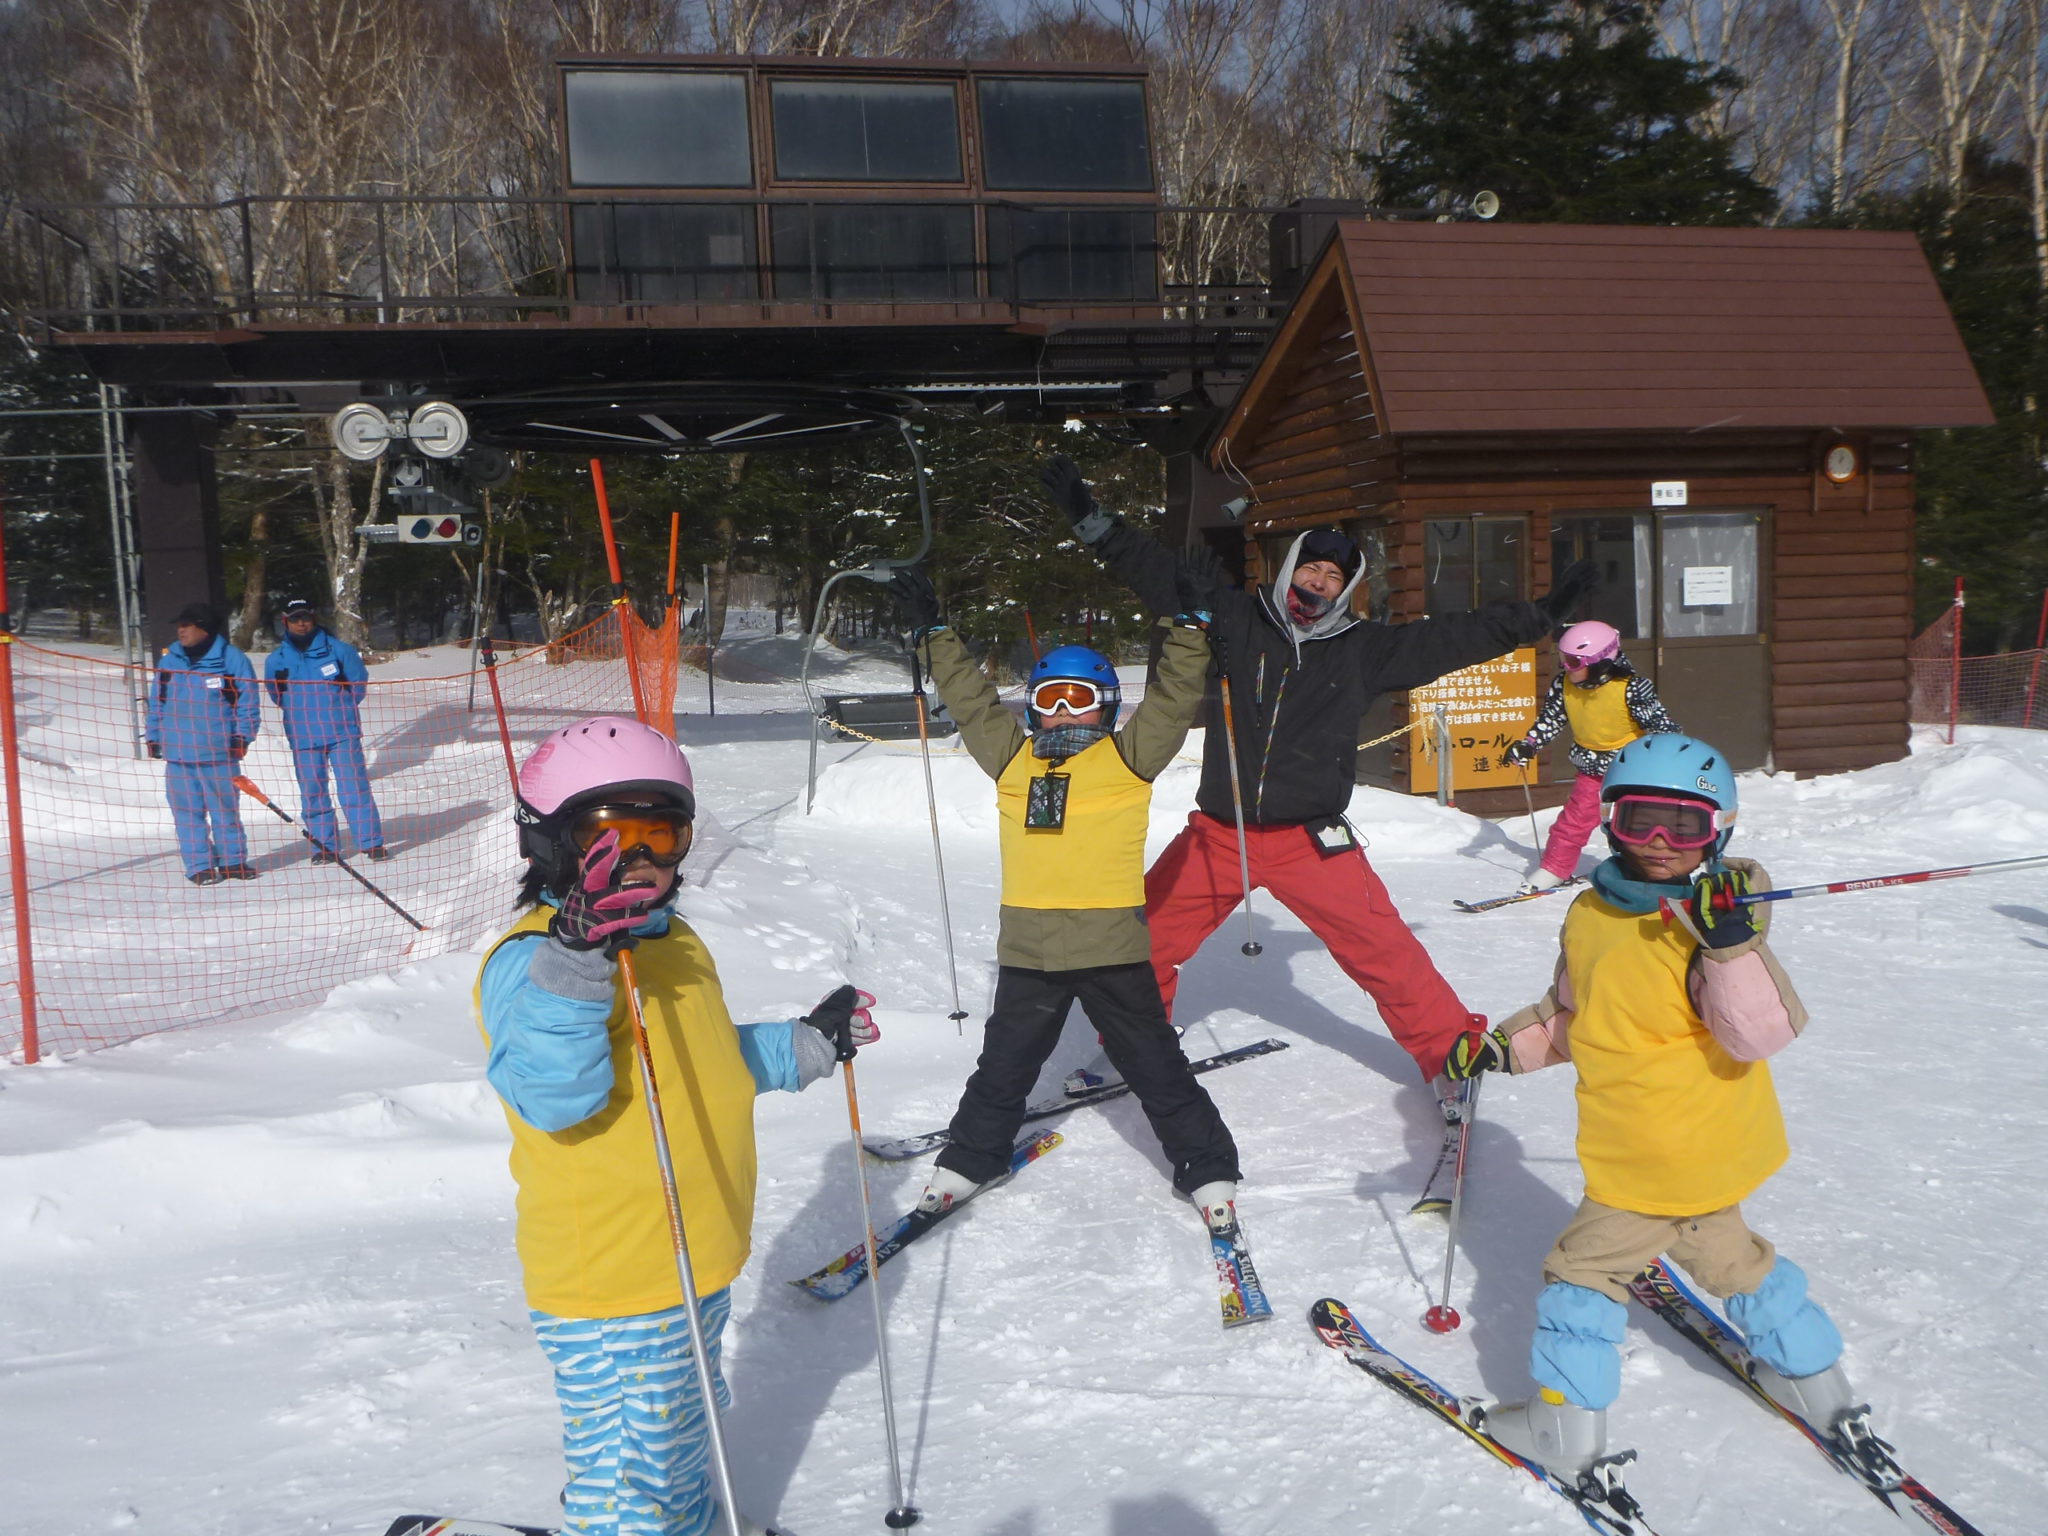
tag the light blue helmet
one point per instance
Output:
(1675, 765)
(1077, 663)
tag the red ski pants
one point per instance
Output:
(1195, 885)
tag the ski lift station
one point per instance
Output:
(750, 253)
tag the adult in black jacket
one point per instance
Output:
(1302, 671)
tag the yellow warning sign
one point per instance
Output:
(1485, 708)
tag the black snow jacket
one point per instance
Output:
(1297, 695)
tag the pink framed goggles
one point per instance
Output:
(1636, 819)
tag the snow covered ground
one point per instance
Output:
(258, 1278)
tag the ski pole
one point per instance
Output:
(1443, 1318)
(721, 1464)
(248, 787)
(1251, 946)
(931, 802)
(902, 1513)
(1727, 903)
(1529, 799)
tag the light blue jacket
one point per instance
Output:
(318, 689)
(195, 707)
(551, 1056)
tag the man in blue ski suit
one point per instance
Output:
(317, 680)
(202, 717)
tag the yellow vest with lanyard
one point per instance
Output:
(593, 1229)
(1599, 716)
(1669, 1123)
(1096, 857)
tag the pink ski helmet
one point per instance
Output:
(1586, 643)
(605, 758)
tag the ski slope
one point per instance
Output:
(258, 1278)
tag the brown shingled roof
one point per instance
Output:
(1556, 327)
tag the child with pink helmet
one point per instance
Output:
(1607, 705)
(606, 812)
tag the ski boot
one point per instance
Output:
(1541, 879)
(946, 1190)
(1217, 1201)
(1080, 1080)
(1567, 1441)
(1827, 1402)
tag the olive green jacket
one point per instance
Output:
(1051, 940)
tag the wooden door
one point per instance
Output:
(1686, 589)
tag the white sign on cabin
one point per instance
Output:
(1667, 493)
(1709, 586)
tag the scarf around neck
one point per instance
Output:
(1617, 886)
(1064, 741)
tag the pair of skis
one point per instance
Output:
(1599, 1495)
(1240, 1296)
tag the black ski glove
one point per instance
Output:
(1197, 579)
(1477, 1051)
(843, 1018)
(1581, 579)
(917, 601)
(1066, 489)
(1719, 917)
(1519, 752)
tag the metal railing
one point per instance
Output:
(408, 260)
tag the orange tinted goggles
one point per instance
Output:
(1073, 695)
(665, 834)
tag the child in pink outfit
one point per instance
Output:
(1607, 706)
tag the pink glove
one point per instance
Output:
(597, 913)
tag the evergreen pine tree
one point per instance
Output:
(1570, 110)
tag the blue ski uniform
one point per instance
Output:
(198, 711)
(319, 689)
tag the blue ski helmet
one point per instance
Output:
(1671, 764)
(1076, 663)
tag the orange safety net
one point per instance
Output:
(124, 945)
(2005, 689)
(656, 648)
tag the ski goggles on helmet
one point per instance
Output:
(1074, 695)
(663, 832)
(1636, 819)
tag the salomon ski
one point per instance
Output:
(1599, 1497)
(1457, 1128)
(1508, 901)
(1237, 1281)
(844, 1274)
(916, 1146)
(1863, 1457)
(456, 1525)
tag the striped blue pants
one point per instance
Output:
(202, 797)
(633, 1427)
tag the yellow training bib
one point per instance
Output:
(1669, 1123)
(1599, 716)
(1096, 858)
(593, 1222)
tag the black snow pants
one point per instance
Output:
(1122, 1002)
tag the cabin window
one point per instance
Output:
(1472, 560)
(864, 130)
(657, 128)
(1623, 550)
(663, 252)
(873, 251)
(1041, 257)
(1065, 136)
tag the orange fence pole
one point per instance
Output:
(2040, 640)
(675, 530)
(611, 555)
(1955, 681)
(17, 849)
